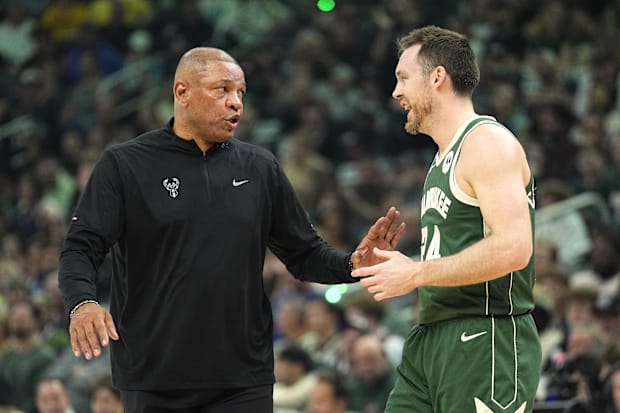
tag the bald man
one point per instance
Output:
(188, 212)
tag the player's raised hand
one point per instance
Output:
(384, 234)
(90, 328)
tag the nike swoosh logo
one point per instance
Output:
(238, 183)
(465, 338)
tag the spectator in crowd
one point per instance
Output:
(52, 397)
(325, 322)
(27, 356)
(104, 397)
(371, 377)
(290, 322)
(16, 33)
(294, 378)
(78, 375)
(330, 394)
(610, 402)
(368, 315)
(7, 399)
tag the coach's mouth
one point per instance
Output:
(233, 121)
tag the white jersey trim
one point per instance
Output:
(516, 364)
(459, 194)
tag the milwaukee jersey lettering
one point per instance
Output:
(451, 221)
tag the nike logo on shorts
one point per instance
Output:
(465, 338)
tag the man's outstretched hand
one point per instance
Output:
(384, 234)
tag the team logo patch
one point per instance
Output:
(172, 186)
(447, 162)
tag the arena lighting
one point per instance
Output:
(334, 293)
(326, 5)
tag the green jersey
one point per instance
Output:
(451, 221)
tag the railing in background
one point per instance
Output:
(568, 224)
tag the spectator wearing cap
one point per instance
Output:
(294, 378)
(607, 315)
(579, 305)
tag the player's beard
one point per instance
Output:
(421, 111)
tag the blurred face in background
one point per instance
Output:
(51, 397)
(323, 400)
(22, 321)
(368, 359)
(105, 400)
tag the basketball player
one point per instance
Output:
(476, 348)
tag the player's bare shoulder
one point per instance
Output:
(494, 143)
(491, 148)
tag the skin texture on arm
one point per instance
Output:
(492, 167)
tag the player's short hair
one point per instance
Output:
(442, 47)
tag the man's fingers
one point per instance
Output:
(102, 332)
(373, 289)
(83, 343)
(91, 329)
(394, 223)
(111, 327)
(397, 236)
(75, 343)
(377, 229)
(391, 213)
(93, 340)
(385, 225)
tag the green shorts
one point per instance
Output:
(481, 365)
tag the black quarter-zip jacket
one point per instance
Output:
(187, 233)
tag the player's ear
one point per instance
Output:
(439, 75)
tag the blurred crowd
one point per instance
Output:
(79, 75)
